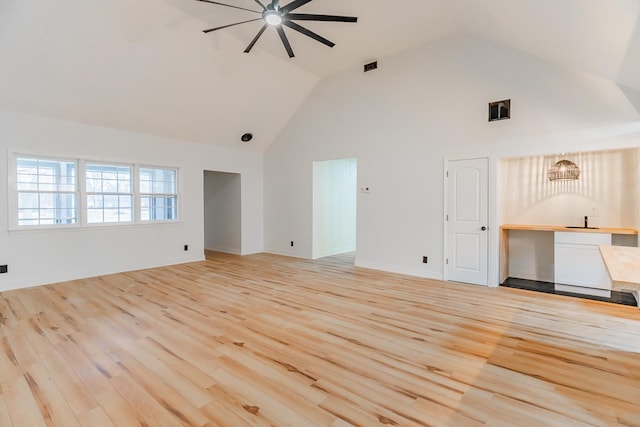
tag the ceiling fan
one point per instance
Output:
(276, 16)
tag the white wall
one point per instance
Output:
(334, 207)
(606, 192)
(222, 212)
(38, 257)
(402, 121)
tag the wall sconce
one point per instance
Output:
(564, 170)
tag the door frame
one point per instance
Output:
(492, 218)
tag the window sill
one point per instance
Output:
(90, 227)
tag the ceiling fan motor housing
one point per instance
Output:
(275, 16)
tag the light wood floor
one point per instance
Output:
(266, 340)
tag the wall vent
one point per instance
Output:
(371, 66)
(500, 110)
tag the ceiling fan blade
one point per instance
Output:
(285, 41)
(261, 5)
(308, 33)
(255, 39)
(295, 4)
(311, 17)
(230, 25)
(229, 5)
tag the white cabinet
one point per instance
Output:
(578, 265)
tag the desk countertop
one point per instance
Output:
(606, 230)
(623, 265)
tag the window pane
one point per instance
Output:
(158, 194)
(125, 201)
(115, 201)
(109, 185)
(111, 215)
(94, 216)
(110, 201)
(108, 178)
(124, 186)
(145, 186)
(94, 201)
(125, 215)
(28, 200)
(47, 200)
(46, 191)
(94, 185)
(28, 214)
(158, 187)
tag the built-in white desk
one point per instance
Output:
(506, 228)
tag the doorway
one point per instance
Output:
(222, 212)
(467, 221)
(334, 207)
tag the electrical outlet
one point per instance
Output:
(4, 269)
(425, 259)
(186, 247)
(594, 211)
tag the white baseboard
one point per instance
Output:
(400, 269)
(282, 253)
(224, 249)
(333, 252)
(49, 279)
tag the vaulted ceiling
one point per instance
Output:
(146, 66)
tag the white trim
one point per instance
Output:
(225, 249)
(281, 253)
(445, 204)
(76, 227)
(399, 269)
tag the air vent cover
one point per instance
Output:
(500, 110)
(371, 66)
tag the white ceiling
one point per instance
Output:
(145, 65)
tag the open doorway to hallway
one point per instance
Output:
(334, 207)
(222, 212)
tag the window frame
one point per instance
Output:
(14, 193)
(81, 193)
(84, 193)
(176, 194)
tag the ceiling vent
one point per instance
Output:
(371, 66)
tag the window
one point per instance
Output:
(53, 192)
(46, 191)
(158, 194)
(109, 193)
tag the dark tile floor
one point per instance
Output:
(623, 298)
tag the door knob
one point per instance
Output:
(484, 228)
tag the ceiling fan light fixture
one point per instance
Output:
(272, 17)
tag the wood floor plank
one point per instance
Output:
(22, 406)
(265, 340)
(53, 405)
(95, 418)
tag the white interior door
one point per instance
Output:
(467, 236)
